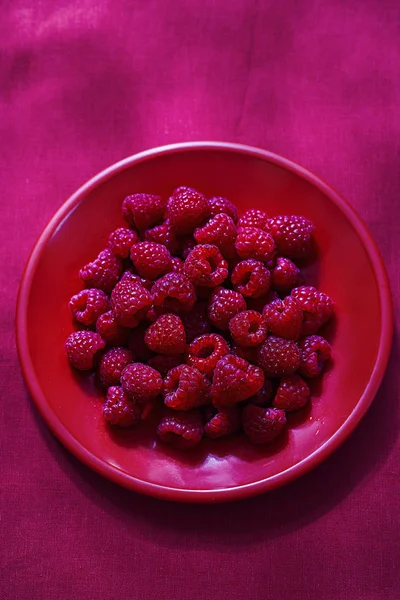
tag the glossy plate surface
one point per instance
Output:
(349, 269)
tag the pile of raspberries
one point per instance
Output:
(202, 311)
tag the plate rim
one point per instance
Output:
(237, 492)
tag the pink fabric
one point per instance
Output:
(86, 83)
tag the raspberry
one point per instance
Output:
(163, 234)
(285, 275)
(173, 293)
(205, 351)
(278, 357)
(185, 388)
(121, 241)
(187, 209)
(235, 380)
(130, 302)
(137, 345)
(219, 205)
(221, 423)
(262, 425)
(255, 243)
(251, 278)
(150, 260)
(292, 235)
(103, 272)
(206, 266)
(315, 351)
(181, 429)
(128, 275)
(110, 330)
(141, 382)
(283, 318)
(247, 328)
(293, 393)
(317, 308)
(166, 335)
(187, 246)
(253, 218)
(88, 305)
(196, 321)
(163, 363)
(112, 364)
(143, 210)
(83, 348)
(119, 409)
(224, 305)
(265, 396)
(220, 231)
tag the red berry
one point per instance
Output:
(88, 305)
(173, 293)
(252, 242)
(166, 335)
(292, 235)
(262, 425)
(220, 231)
(110, 330)
(223, 422)
(187, 209)
(83, 349)
(219, 205)
(224, 305)
(121, 241)
(247, 328)
(112, 364)
(253, 218)
(103, 272)
(137, 345)
(181, 429)
(265, 396)
(143, 210)
(196, 321)
(235, 380)
(251, 278)
(205, 351)
(315, 352)
(205, 266)
(130, 302)
(293, 393)
(163, 234)
(317, 308)
(185, 388)
(141, 382)
(150, 260)
(119, 409)
(278, 357)
(163, 363)
(285, 275)
(128, 275)
(283, 318)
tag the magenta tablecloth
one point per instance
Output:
(86, 83)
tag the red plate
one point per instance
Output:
(350, 270)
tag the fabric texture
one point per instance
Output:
(84, 84)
